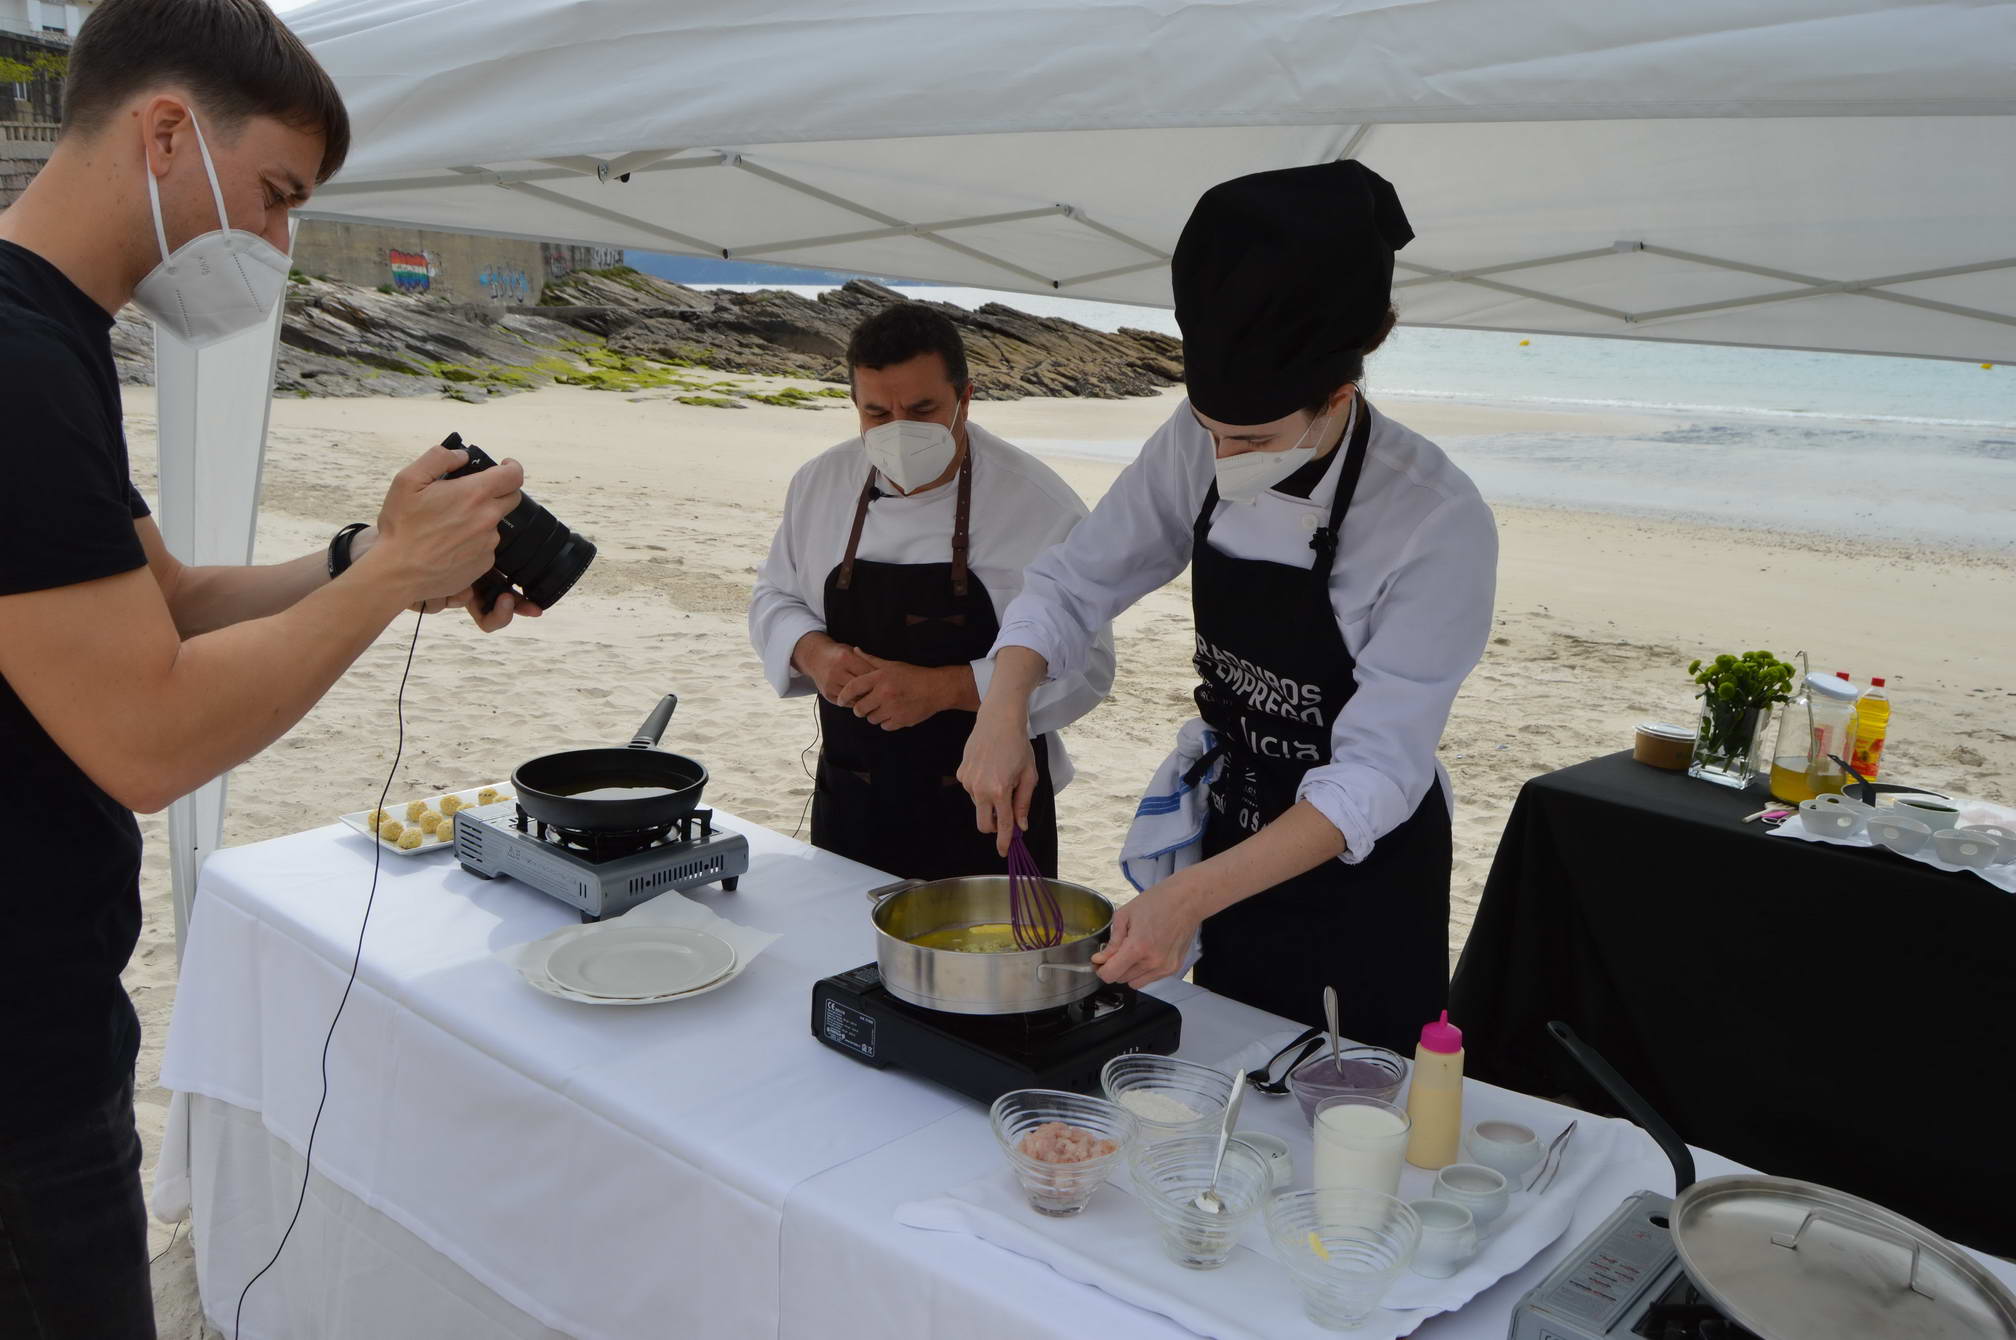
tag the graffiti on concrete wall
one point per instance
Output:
(504, 283)
(562, 259)
(412, 271)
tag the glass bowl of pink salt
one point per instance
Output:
(1061, 1145)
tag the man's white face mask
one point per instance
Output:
(217, 284)
(910, 453)
(1243, 478)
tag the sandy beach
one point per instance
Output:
(1602, 601)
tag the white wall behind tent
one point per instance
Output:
(1818, 174)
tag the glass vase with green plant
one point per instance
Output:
(1737, 694)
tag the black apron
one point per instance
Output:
(1276, 673)
(892, 799)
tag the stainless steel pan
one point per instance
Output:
(1791, 1260)
(959, 981)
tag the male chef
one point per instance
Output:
(898, 551)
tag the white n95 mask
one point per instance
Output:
(1243, 478)
(217, 284)
(911, 453)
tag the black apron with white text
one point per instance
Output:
(1275, 673)
(892, 799)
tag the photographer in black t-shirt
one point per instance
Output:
(126, 678)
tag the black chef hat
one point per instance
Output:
(1282, 278)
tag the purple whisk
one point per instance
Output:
(1034, 916)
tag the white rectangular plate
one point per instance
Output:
(442, 838)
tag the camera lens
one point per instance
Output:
(536, 552)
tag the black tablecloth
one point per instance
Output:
(1843, 1016)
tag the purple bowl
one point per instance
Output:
(1365, 1072)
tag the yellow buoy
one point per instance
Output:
(1987, 366)
(1524, 343)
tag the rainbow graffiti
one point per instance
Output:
(412, 271)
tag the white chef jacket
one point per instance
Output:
(1020, 508)
(1411, 587)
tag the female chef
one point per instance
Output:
(1342, 586)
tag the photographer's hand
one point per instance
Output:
(508, 606)
(435, 533)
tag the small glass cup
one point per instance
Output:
(1368, 1072)
(1164, 1079)
(1168, 1174)
(1060, 1189)
(1361, 1143)
(1344, 1248)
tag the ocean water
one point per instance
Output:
(1898, 449)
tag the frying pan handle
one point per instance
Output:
(888, 891)
(1631, 1101)
(1870, 789)
(654, 725)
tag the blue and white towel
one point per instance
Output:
(1168, 831)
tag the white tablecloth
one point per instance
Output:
(496, 1162)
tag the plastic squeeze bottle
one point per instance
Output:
(1872, 727)
(1435, 1102)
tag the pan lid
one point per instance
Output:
(1794, 1261)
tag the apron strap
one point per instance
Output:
(1200, 529)
(868, 494)
(960, 527)
(1327, 538)
(961, 519)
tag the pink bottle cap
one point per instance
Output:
(1442, 1036)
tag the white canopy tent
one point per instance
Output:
(1817, 174)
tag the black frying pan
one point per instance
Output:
(613, 790)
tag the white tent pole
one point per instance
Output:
(212, 408)
(1114, 273)
(896, 230)
(610, 215)
(803, 188)
(1079, 216)
(1470, 277)
(1456, 276)
(474, 175)
(1356, 142)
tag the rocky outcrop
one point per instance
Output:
(621, 330)
(782, 333)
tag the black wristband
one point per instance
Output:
(339, 549)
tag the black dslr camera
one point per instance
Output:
(537, 556)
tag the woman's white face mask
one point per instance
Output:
(1244, 477)
(217, 284)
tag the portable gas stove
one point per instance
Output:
(600, 874)
(985, 1055)
(1624, 1280)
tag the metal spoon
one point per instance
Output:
(1207, 1200)
(1330, 1017)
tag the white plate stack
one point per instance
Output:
(617, 964)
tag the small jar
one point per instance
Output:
(1661, 744)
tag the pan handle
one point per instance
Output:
(1631, 1101)
(654, 725)
(888, 891)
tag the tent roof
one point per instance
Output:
(1795, 173)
